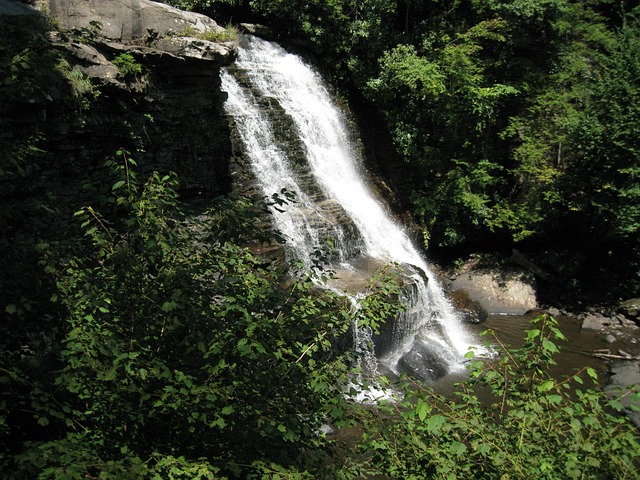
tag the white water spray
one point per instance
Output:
(265, 73)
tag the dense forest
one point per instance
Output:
(141, 338)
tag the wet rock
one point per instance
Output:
(256, 29)
(595, 321)
(620, 319)
(470, 310)
(554, 312)
(422, 363)
(625, 378)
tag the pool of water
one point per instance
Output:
(575, 353)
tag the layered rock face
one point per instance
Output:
(151, 82)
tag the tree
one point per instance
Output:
(446, 130)
(607, 171)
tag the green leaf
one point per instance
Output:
(549, 346)
(422, 409)
(11, 309)
(458, 448)
(118, 185)
(533, 333)
(546, 386)
(435, 423)
(168, 306)
(554, 399)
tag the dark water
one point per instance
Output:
(510, 330)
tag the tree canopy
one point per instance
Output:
(512, 120)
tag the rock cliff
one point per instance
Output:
(132, 75)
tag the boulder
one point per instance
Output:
(554, 312)
(256, 29)
(151, 30)
(595, 321)
(508, 291)
(422, 363)
(94, 64)
(125, 20)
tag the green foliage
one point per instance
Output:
(450, 105)
(181, 354)
(350, 35)
(171, 351)
(83, 91)
(29, 80)
(523, 9)
(84, 34)
(608, 168)
(535, 426)
(202, 5)
(127, 64)
(501, 112)
(26, 56)
(404, 72)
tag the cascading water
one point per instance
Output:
(333, 201)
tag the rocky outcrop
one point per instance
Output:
(128, 20)
(469, 310)
(620, 336)
(131, 76)
(423, 362)
(507, 291)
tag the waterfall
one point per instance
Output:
(297, 140)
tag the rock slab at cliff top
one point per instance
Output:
(124, 20)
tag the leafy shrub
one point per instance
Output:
(182, 355)
(535, 427)
(128, 65)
